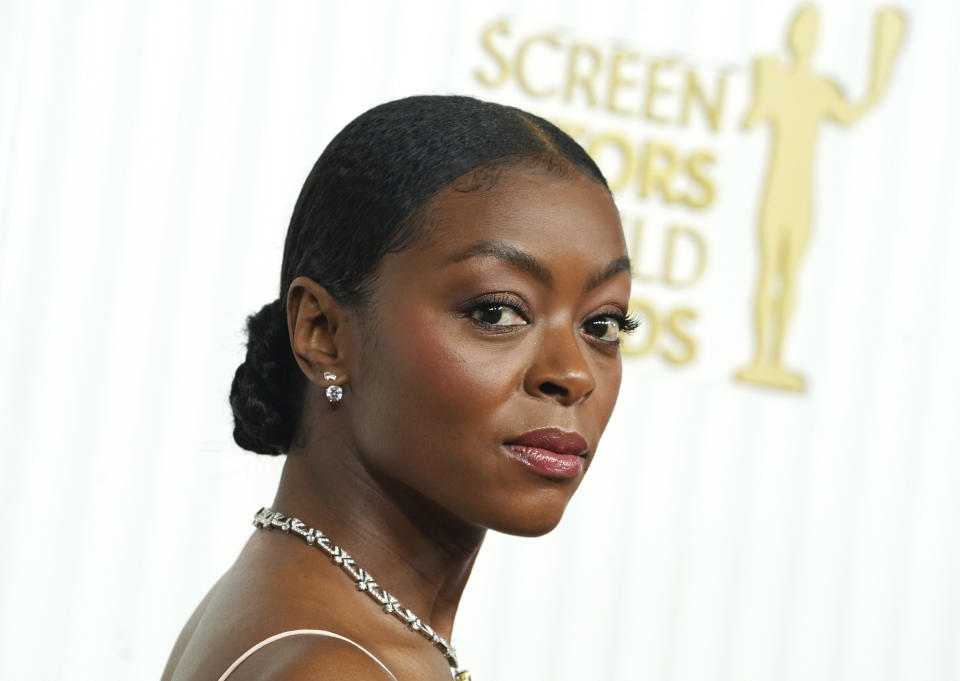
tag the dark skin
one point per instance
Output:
(502, 319)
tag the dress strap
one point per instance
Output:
(297, 632)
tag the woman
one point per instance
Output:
(441, 361)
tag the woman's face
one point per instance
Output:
(489, 363)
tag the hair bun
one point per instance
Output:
(266, 388)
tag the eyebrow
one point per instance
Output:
(524, 261)
(619, 265)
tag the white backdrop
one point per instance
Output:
(150, 156)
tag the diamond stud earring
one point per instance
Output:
(334, 392)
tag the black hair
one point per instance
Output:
(363, 199)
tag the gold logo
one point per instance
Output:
(794, 101)
(658, 124)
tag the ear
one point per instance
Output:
(313, 321)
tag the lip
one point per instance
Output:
(550, 452)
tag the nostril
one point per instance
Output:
(549, 388)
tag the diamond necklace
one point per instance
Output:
(267, 519)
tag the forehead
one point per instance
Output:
(536, 211)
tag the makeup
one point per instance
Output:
(550, 452)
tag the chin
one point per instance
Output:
(535, 518)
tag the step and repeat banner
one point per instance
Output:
(778, 493)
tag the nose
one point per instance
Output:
(560, 370)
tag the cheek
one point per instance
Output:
(432, 378)
(456, 375)
(612, 377)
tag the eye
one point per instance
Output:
(497, 314)
(603, 328)
(607, 327)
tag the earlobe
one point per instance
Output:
(313, 322)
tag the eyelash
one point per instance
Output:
(493, 301)
(628, 323)
(625, 323)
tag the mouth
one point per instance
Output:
(550, 452)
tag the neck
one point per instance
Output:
(416, 550)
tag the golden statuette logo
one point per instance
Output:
(794, 101)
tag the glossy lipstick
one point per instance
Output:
(551, 452)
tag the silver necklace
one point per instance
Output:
(267, 519)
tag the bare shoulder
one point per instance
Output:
(183, 640)
(310, 657)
